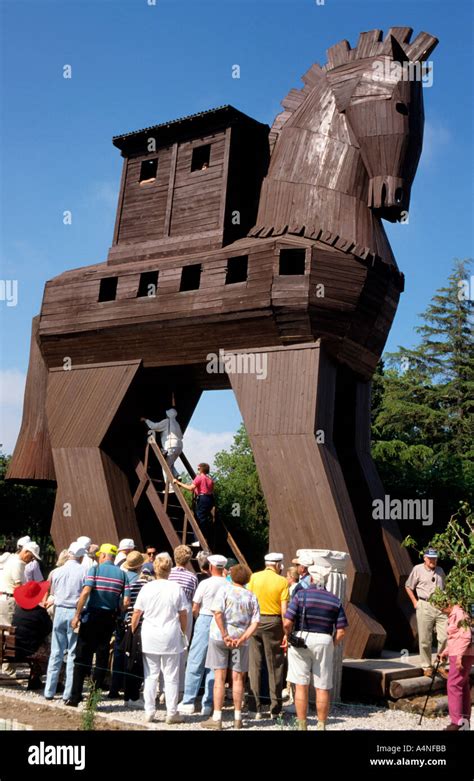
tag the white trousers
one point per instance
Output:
(183, 657)
(153, 665)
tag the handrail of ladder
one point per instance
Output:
(189, 515)
(230, 540)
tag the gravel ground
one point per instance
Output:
(343, 717)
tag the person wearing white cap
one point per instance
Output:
(12, 576)
(315, 616)
(32, 569)
(124, 548)
(203, 600)
(171, 439)
(420, 585)
(66, 586)
(303, 561)
(271, 590)
(88, 560)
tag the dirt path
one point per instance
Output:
(41, 717)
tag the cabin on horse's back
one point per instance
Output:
(231, 236)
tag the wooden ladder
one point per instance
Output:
(160, 502)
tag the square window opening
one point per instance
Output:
(148, 170)
(201, 158)
(292, 262)
(237, 270)
(108, 289)
(190, 277)
(148, 284)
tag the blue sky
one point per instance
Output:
(135, 65)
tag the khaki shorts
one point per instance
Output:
(316, 660)
(219, 657)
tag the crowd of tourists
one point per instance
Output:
(149, 630)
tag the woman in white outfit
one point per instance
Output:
(164, 609)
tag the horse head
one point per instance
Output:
(345, 150)
(382, 99)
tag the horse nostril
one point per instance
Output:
(402, 109)
(398, 195)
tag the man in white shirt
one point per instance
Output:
(33, 569)
(12, 576)
(203, 600)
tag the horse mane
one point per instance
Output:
(396, 45)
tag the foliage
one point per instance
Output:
(239, 497)
(25, 509)
(423, 406)
(456, 545)
(89, 713)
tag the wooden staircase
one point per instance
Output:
(171, 508)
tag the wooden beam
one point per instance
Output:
(179, 495)
(169, 201)
(157, 505)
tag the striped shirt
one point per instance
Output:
(109, 584)
(323, 611)
(135, 588)
(186, 579)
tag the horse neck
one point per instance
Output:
(317, 179)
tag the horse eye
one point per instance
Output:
(402, 108)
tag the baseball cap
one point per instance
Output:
(108, 548)
(431, 553)
(84, 542)
(273, 558)
(77, 550)
(217, 560)
(126, 544)
(22, 541)
(33, 548)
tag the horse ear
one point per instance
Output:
(343, 92)
(392, 49)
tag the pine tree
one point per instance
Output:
(423, 427)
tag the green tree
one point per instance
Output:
(455, 545)
(25, 509)
(423, 413)
(239, 497)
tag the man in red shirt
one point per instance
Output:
(203, 489)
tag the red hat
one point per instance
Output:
(30, 594)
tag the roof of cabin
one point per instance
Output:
(222, 116)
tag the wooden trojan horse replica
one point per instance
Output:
(245, 242)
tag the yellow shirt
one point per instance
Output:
(271, 590)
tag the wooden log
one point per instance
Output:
(408, 687)
(436, 706)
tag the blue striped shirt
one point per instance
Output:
(186, 579)
(323, 611)
(109, 583)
